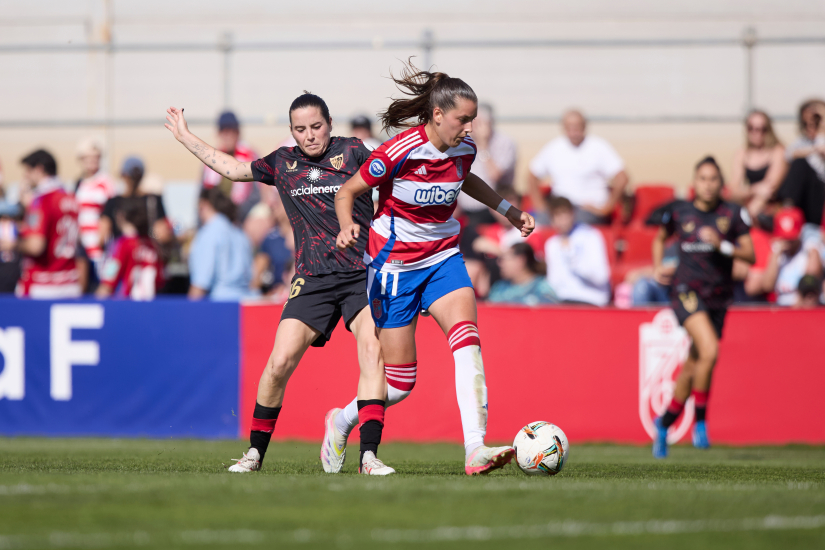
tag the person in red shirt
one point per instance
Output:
(50, 235)
(134, 270)
(245, 194)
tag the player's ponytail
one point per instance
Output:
(426, 91)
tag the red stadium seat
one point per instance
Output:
(648, 199)
(538, 238)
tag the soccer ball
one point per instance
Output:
(541, 449)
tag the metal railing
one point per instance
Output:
(426, 45)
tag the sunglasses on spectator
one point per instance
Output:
(760, 129)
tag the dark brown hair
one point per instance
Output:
(220, 202)
(804, 107)
(308, 99)
(134, 212)
(558, 203)
(426, 91)
(525, 251)
(712, 161)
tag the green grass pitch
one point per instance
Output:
(106, 493)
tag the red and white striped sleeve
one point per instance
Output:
(385, 161)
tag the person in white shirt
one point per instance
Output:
(577, 265)
(584, 169)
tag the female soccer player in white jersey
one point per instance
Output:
(412, 256)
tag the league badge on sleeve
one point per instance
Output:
(377, 168)
(459, 168)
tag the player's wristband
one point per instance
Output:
(726, 248)
(503, 207)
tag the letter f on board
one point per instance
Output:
(64, 352)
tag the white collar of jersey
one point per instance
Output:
(48, 185)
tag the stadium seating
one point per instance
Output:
(649, 197)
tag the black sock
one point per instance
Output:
(263, 424)
(700, 413)
(371, 415)
(669, 418)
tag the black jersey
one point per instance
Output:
(307, 186)
(702, 268)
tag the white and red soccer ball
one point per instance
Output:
(541, 449)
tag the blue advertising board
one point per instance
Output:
(167, 368)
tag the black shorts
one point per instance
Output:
(687, 303)
(321, 301)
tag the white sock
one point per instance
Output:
(347, 419)
(403, 376)
(470, 384)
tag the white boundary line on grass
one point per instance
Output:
(571, 528)
(567, 528)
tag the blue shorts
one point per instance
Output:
(396, 298)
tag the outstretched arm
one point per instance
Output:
(220, 162)
(483, 193)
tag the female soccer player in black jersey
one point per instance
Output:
(711, 234)
(329, 284)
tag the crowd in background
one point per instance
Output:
(592, 246)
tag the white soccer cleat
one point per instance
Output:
(371, 466)
(484, 460)
(251, 462)
(334, 445)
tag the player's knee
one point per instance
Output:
(707, 352)
(370, 354)
(278, 370)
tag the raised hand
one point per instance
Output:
(176, 123)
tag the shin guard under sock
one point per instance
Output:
(371, 416)
(672, 413)
(263, 424)
(700, 402)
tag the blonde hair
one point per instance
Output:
(771, 140)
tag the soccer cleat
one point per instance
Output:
(660, 441)
(700, 435)
(334, 446)
(372, 466)
(484, 460)
(251, 462)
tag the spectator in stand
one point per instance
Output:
(522, 281)
(245, 194)
(758, 168)
(134, 269)
(274, 261)
(50, 233)
(132, 173)
(582, 168)
(9, 257)
(791, 259)
(495, 163)
(803, 186)
(220, 262)
(361, 128)
(93, 190)
(577, 265)
(808, 292)
(645, 289)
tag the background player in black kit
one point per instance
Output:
(711, 233)
(329, 284)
